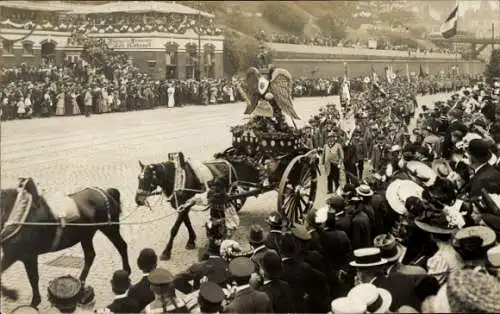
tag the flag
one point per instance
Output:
(388, 74)
(421, 72)
(345, 94)
(408, 73)
(449, 27)
(374, 76)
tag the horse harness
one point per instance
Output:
(62, 226)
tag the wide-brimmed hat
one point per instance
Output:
(432, 228)
(377, 300)
(368, 257)
(257, 236)
(469, 291)
(364, 190)
(422, 172)
(389, 247)
(347, 305)
(442, 168)
(399, 191)
(472, 242)
(493, 256)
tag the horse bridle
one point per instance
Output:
(154, 182)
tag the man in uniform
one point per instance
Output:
(210, 298)
(166, 300)
(64, 294)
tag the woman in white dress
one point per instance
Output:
(60, 104)
(76, 109)
(105, 101)
(170, 94)
(28, 106)
(21, 109)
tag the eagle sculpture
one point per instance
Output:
(273, 89)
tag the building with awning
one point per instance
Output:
(135, 7)
(164, 38)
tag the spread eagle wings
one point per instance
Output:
(253, 75)
(280, 86)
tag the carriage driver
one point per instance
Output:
(220, 206)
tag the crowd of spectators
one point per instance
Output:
(114, 23)
(341, 42)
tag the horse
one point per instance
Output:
(24, 243)
(163, 175)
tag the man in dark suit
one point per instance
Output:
(246, 299)
(485, 176)
(337, 251)
(273, 239)
(303, 280)
(257, 241)
(278, 290)
(360, 229)
(141, 291)
(122, 303)
(215, 268)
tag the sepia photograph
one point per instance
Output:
(250, 156)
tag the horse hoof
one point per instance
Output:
(190, 246)
(10, 294)
(165, 256)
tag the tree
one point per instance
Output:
(331, 26)
(493, 68)
(240, 52)
(284, 15)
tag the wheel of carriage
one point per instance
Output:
(238, 202)
(297, 188)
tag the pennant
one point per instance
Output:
(388, 75)
(374, 79)
(449, 28)
(421, 72)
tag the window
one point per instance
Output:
(8, 47)
(171, 54)
(27, 48)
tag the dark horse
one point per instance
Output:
(94, 206)
(163, 175)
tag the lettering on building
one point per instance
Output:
(129, 43)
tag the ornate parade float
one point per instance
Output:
(268, 153)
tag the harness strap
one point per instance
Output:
(60, 228)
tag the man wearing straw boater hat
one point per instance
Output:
(409, 285)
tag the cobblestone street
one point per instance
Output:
(62, 154)
(65, 153)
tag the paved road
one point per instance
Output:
(64, 153)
